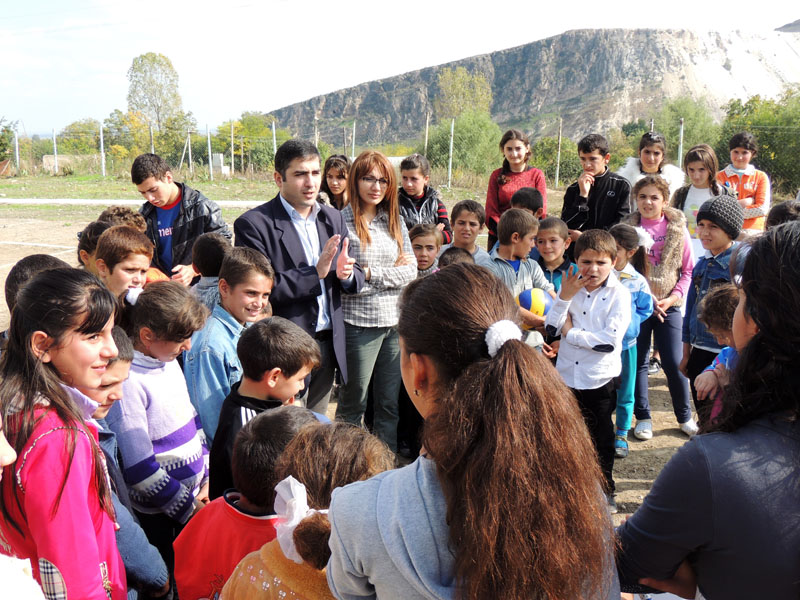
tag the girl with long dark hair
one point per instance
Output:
(500, 505)
(56, 504)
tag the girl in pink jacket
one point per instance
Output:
(55, 505)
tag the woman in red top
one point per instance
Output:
(514, 174)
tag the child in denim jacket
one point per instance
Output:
(719, 223)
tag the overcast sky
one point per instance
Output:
(64, 61)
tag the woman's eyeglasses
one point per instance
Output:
(370, 181)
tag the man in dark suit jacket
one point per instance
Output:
(307, 244)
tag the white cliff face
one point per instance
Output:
(743, 64)
(595, 79)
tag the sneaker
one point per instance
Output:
(621, 444)
(654, 366)
(644, 429)
(690, 428)
(612, 504)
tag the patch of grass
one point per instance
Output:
(93, 187)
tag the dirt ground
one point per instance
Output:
(31, 230)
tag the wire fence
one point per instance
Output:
(462, 151)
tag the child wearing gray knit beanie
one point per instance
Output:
(724, 211)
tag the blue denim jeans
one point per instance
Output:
(668, 340)
(372, 351)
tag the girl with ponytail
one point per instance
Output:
(317, 460)
(55, 505)
(499, 505)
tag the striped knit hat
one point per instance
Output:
(726, 212)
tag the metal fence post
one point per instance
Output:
(210, 164)
(55, 154)
(102, 153)
(450, 161)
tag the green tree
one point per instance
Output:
(698, 125)
(171, 140)
(40, 147)
(475, 144)
(775, 123)
(80, 137)
(128, 130)
(6, 138)
(460, 92)
(545, 157)
(153, 88)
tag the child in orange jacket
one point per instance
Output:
(748, 184)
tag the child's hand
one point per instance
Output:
(723, 375)
(683, 583)
(551, 350)
(683, 364)
(202, 495)
(530, 319)
(440, 227)
(574, 234)
(405, 259)
(706, 385)
(661, 306)
(573, 282)
(567, 324)
(183, 274)
(585, 183)
(745, 202)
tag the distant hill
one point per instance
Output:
(790, 26)
(595, 79)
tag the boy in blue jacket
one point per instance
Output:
(719, 223)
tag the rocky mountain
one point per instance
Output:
(795, 26)
(593, 79)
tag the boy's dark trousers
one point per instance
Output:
(597, 406)
(699, 360)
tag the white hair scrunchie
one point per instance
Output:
(499, 333)
(132, 295)
(291, 505)
(644, 238)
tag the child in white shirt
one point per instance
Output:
(592, 313)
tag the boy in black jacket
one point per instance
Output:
(176, 216)
(276, 357)
(599, 199)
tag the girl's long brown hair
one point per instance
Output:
(363, 166)
(58, 302)
(525, 507)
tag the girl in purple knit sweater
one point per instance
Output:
(164, 452)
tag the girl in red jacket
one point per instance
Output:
(514, 174)
(55, 506)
